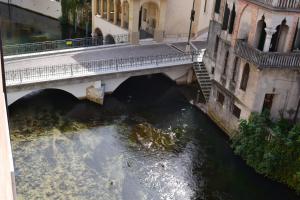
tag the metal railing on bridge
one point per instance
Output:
(16, 49)
(92, 68)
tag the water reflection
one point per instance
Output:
(64, 148)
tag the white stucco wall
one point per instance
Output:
(44, 7)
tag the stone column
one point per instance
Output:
(270, 32)
(122, 15)
(134, 35)
(108, 10)
(115, 12)
(102, 8)
(160, 28)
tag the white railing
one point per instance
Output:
(98, 67)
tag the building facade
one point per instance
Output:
(157, 19)
(253, 59)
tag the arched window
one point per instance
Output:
(232, 19)
(217, 6)
(245, 77)
(261, 34)
(226, 17)
(235, 64)
(225, 63)
(279, 37)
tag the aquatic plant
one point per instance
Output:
(153, 138)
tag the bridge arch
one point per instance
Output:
(109, 39)
(12, 99)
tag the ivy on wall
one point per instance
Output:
(76, 12)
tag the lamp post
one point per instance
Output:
(188, 46)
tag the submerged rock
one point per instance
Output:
(153, 138)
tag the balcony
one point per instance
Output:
(287, 5)
(267, 59)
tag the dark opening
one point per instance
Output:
(245, 77)
(220, 98)
(216, 47)
(235, 64)
(225, 63)
(109, 39)
(261, 25)
(217, 6)
(268, 102)
(226, 17)
(140, 17)
(232, 20)
(236, 111)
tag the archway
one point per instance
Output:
(148, 20)
(98, 35)
(109, 39)
(260, 35)
(279, 37)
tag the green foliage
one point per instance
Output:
(272, 148)
(70, 9)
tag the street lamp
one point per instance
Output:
(188, 46)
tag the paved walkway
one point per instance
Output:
(90, 54)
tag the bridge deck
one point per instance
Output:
(92, 54)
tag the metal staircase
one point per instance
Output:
(203, 79)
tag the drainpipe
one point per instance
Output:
(188, 46)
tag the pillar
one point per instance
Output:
(159, 30)
(122, 15)
(269, 32)
(115, 12)
(102, 8)
(134, 35)
(108, 10)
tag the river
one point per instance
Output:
(65, 148)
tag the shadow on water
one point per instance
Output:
(88, 151)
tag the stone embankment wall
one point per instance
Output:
(50, 8)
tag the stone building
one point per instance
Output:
(253, 59)
(157, 19)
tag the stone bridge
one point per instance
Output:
(92, 79)
(93, 71)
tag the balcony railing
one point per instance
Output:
(26, 48)
(92, 68)
(280, 4)
(267, 59)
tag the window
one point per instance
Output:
(225, 63)
(216, 47)
(205, 2)
(232, 19)
(217, 6)
(235, 64)
(226, 18)
(245, 77)
(268, 102)
(212, 70)
(236, 111)
(220, 98)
